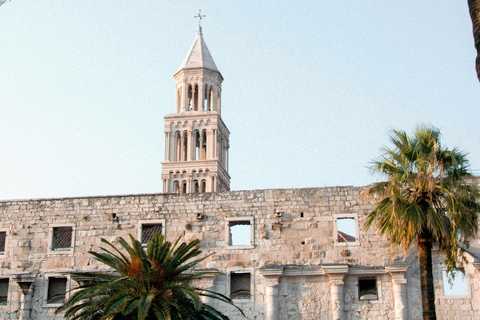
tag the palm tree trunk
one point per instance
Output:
(426, 277)
(474, 7)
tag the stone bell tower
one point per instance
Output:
(196, 139)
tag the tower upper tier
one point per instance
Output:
(198, 83)
(198, 56)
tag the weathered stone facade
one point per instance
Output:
(285, 254)
(295, 264)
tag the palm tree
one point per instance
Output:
(151, 284)
(474, 7)
(429, 198)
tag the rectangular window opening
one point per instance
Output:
(346, 230)
(4, 291)
(454, 286)
(148, 230)
(3, 238)
(62, 238)
(367, 289)
(240, 285)
(239, 233)
(57, 288)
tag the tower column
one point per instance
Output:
(189, 183)
(184, 96)
(192, 145)
(209, 144)
(272, 276)
(189, 146)
(336, 273)
(181, 148)
(271, 300)
(399, 286)
(201, 95)
(167, 146)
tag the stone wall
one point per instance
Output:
(297, 268)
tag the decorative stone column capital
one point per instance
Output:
(336, 273)
(398, 273)
(272, 281)
(336, 282)
(24, 280)
(271, 273)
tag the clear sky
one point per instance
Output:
(312, 88)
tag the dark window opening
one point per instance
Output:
(148, 230)
(184, 187)
(3, 291)
(204, 145)
(3, 238)
(57, 287)
(367, 289)
(62, 238)
(240, 285)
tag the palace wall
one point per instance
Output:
(295, 264)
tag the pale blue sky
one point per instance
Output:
(311, 90)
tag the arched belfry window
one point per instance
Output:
(184, 146)
(178, 149)
(208, 106)
(194, 96)
(190, 98)
(197, 144)
(204, 144)
(184, 186)
(196, 186)
(210, 99)
(203, 186)
(176, 187)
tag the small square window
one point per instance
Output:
(57, 289)
(240, 285)
(456, 286)
(4, 291)
(3, 238)
(61, 238)
(239, 233)
(148, 230)
(346, 230)
(367, 289)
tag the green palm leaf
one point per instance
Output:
(428, 198)
(155, 283)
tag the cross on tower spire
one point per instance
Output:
(199, 16)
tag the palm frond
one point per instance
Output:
(155, 283)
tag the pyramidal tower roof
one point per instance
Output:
(198, 55)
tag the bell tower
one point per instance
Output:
(196, 139)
